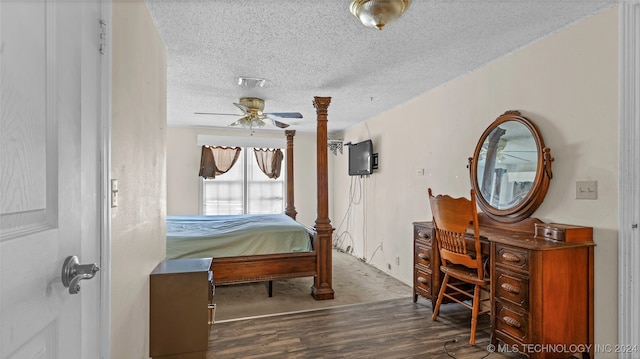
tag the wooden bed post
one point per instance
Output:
(322, 281)
(290, 210)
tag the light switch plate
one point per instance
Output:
(114, 199)
(586, 189)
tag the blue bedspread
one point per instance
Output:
(234, 235)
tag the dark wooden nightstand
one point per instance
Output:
(181, 291)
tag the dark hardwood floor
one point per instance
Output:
(396, 328)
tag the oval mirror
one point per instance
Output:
(510, 168)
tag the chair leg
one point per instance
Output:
(443, 287)
(474, 314)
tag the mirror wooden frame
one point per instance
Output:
(540, 185)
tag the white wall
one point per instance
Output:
(183, 164)
(138, 162)
(566, 83)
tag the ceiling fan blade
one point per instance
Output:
(284, 115)
(242, 107)
(517, 158)
(279, 124)
(217, 114)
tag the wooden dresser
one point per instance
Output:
(541, 290)
(181, 291)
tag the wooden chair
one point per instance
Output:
(452, 218)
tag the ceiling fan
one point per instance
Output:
(253, 115)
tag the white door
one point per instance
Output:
(49, 177)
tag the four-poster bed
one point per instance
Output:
(318, 261)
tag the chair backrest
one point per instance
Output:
(452, 218)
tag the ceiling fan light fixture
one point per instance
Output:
(378, 13)
(250, 122)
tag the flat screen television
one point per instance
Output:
(361, 158)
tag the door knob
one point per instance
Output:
(73, 272)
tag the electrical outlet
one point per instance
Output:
(397, 260)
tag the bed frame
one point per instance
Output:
(318, 262)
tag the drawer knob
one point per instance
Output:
(422, 256)
(511, 322)
(510, 257)
(422, 280)
(510, 288)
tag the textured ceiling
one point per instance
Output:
(310, 48)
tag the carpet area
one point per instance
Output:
(354, 282)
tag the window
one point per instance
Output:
(244, 189)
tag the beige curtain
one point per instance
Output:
(269, 161)
(216, 160)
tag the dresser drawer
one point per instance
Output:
(423, 256)
(512, 288)
(422, 282)
(511, 257)
(422, 234)
(512, 321)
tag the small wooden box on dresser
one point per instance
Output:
(181, 291)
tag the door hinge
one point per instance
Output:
(103, 36)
